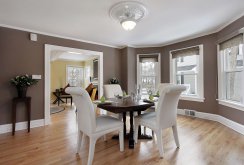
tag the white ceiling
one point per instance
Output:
(168, 21)
(70, 56)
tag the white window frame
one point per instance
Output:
(158, 70)
(221, 85)
(75, 66)
(200, 80)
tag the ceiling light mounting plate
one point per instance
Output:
(124, 11)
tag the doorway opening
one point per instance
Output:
(66, 66)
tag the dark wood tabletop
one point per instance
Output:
(125, 105)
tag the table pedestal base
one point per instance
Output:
(130, 135)
(140, 136)
(144, 136)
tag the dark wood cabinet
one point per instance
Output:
(15, 101)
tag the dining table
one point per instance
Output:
(124, 105)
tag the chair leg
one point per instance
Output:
(83, 141)
(79, 141)
(160, 143)
(91, 150)
(121, 140)
(175, 132)
(136, 132)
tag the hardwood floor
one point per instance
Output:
(202, 142)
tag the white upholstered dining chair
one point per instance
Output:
(90, 125)
(159, 89)
(164, 116)
(161, 86)
(110, 90)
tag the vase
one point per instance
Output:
(22, 91)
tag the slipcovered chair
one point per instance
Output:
(164, 116)
(110, 90)
(160, 88)
(90, 125)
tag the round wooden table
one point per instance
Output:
(127, 105)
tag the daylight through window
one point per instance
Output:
(231, 70)
(187, 69)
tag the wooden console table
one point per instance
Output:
(27, 101)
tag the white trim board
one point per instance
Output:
(56, 35)
(214, 117)
(21, 126)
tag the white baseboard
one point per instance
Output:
(21, 126)
(214, 117)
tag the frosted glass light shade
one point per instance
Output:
(128, 24)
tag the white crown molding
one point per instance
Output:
(230, 22)
(132, 46)
(175, 42)
(194, 36)
(21, 126)
(56, 35)
(214, 117)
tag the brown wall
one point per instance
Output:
(128, 69)
(230, 113)
(131, 66)
(210, 72)
(233, 27)
(124, 69)
(210, 105)
(19, 55)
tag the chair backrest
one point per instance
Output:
(112, 89)
(85, 109)
(161, 86)
(167, 105)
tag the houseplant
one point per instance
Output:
(114, 81)
(22, 83)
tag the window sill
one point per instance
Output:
(231, 104)
(190, 98)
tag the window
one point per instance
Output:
(187, 69)
(75, 76)
(148, 73)
(230, 71)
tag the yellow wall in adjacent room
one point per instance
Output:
(58, 73)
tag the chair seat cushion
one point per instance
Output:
(149, 119)
(107, 122)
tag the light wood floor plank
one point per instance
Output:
(202, 142)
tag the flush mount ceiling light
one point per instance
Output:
(128, 13)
